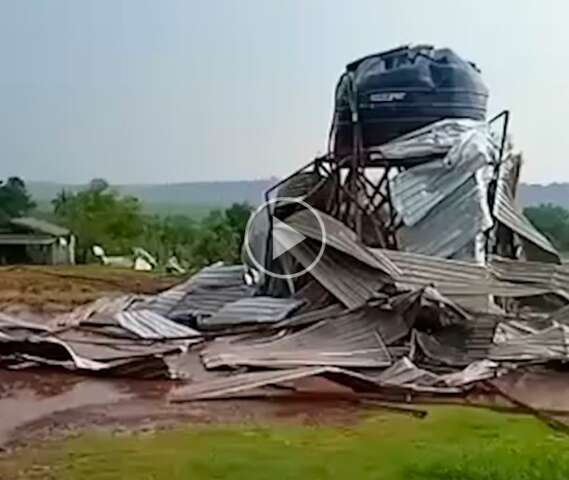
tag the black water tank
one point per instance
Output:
(401, 90)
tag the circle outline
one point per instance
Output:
(268, 204)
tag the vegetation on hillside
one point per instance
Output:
(99, 215)
(553, 221)
(15, 200)
(172, 198)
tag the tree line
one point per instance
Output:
(99, 215)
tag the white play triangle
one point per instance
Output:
(284, 237)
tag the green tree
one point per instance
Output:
(553, 221)
(221, 234)
(237, 216)
(100, 215)
(171, 235)
(215, 240)
(15, 201)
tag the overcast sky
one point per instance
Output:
(170, 91)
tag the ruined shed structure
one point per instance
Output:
(34, 241)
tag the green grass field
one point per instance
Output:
(451, 443)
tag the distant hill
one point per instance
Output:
(171, 198)
(534, 194)
(202, 196)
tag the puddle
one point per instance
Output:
(29, 396)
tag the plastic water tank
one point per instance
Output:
(401, 90)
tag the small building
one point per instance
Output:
(34, 241)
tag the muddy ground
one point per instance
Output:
(40, 404)
(43, 403)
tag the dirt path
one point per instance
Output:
(52, 290)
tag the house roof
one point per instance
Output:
(22, 239)
(40, 226)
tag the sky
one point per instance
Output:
(159, 91)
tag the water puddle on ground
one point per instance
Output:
(29, 396)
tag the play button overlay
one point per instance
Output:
(284, 238)
(268, 238)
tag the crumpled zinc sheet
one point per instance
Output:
(452, 191)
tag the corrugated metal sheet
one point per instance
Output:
(452, 278)
(450, 226)
(315, 295)
(352, 340)
(560, 316)
(102, 309)
(219, 276)
(251, 311)
(473, 338)
(213, 277)
(475, 372)
(201, 302)
(391, 325)
(103, 348)
(523, 272)
(466, 283)
(300, 185)
(152, 326)
(10, 326)
(310, 317)
(14, 239)
(507, 331)
(165, 301)
(350, 281)
(418, 190)
(429, 350)
(41, 226)
(340, 237)
(549, 276)
(507, 212)
(436, 138)
(85, 351)
(479, 336)
(241, 384)
(549, 344)
(422, 270)
(405, 373)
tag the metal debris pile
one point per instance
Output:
(431, 282)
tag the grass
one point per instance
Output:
(452, 443)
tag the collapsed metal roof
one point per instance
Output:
(430, 280)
